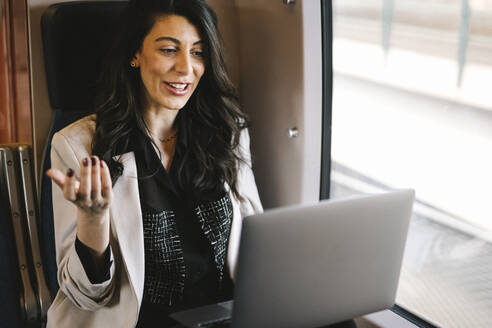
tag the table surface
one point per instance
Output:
(381, 319)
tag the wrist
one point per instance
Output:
(93, 232)
(92, 218)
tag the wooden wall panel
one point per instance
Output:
(15, 89)
(6, 109)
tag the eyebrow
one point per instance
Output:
(168, 38)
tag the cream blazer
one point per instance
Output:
(116, 302)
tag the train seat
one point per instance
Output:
(9, 281)
(74, 43)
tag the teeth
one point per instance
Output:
(179, 86)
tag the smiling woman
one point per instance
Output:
(153, 187)
(171, 63)
(162, 38)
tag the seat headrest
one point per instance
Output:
(75, 40)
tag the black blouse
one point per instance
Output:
(185, 239)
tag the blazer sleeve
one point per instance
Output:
(72, 277)
(251, 203)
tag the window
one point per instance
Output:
(412, 107)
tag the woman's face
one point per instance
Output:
(171, 62)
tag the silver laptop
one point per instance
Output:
(310, 266)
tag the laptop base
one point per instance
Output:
(213, 315)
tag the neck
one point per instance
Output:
(160, 121)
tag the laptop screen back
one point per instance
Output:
(315, 265)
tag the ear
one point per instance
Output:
(135, 62)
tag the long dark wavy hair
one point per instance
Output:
(212, 115)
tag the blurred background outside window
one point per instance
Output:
(412, 107)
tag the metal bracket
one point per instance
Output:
(292, 133)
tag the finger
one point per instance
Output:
(95, 179)
(69, 186)
(56, 176)
(76, 186)
(85, 182)
(106, 183)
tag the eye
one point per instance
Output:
(198, 53)
(168, 51)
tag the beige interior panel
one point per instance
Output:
(281, 78)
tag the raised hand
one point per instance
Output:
(92, 195)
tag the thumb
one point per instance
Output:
(56, 176)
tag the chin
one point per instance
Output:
(172, 105)
(176, 106)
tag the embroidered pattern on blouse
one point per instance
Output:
(164, 262)
(215, 220)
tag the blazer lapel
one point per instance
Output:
(126, 218)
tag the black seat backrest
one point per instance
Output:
(76, 36)
(10, 283)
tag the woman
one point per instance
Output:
(152, 188)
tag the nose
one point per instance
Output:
(183, 63)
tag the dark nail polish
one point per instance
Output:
(70, 173)
(85, 161)
(93, 161)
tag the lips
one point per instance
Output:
(178, 88)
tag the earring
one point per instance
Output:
(132, 64)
